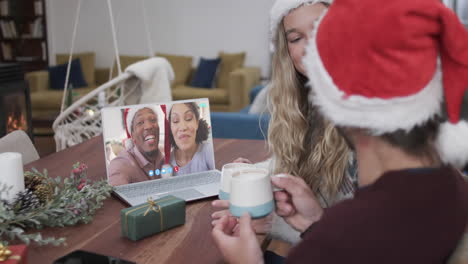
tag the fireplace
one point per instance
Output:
(15, 106)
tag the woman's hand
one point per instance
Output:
(237, 246)
(296, 203)
(242, 160)
(261, 226)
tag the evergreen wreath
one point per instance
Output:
(48, 202)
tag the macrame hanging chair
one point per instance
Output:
(147, 81)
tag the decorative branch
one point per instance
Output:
(48, 202)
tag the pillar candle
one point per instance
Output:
(11, 174)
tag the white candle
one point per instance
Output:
(11, 174)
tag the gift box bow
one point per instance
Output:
(5, 254)
(151, 206)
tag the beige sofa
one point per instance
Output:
(45, 102)
(233, 82)
(232, 86)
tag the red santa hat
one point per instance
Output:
(281, 8)
(389, 65)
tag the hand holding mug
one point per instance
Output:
(296, 203)
(261, 225)
(237, 246)
(223, 211)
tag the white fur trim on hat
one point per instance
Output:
(452, 143)
(280, 9)
(378, 115)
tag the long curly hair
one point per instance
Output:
(303, 143)
(203, 130)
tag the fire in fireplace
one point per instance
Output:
(15, 108)
(16, 121)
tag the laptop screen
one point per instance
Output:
(154, 141)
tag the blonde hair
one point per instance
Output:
(303, 142)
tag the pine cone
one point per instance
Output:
(44, 192)
(31, 181)
(26, 200)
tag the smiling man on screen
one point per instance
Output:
(142, 156)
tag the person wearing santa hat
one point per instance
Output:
(398, 92)
(142, 155)
(302, 142)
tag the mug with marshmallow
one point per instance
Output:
(226, 175)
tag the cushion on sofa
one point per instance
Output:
(182, 66)
(205, 73)
(87, 60)
(215, 95)
(229, 62)
(58, 74)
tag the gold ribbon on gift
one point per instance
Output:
(151, 207)
(5, 254)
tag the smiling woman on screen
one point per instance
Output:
(188, 135)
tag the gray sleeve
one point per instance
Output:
(266, 164)
(283, 231)
(260, 103)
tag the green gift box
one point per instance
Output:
(152, 217)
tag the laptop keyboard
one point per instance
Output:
(186, 194)
(169, 184)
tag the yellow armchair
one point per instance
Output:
(241, 81)
(38, 81)
(45, 102)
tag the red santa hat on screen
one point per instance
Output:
(281, 8)
(389, 65)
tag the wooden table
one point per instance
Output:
(190, 243)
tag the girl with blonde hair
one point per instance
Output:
(302, 142)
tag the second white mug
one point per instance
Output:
(252, 192)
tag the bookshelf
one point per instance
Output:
(23, 34)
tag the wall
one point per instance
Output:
(185, 27)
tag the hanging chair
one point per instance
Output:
(147, 81)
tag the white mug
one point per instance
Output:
(226, 174)
(252, 192)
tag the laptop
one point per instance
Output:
(153, 150)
